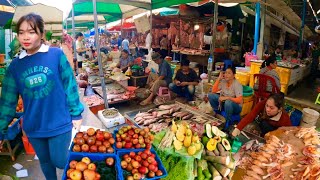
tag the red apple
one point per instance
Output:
(81, 166)
(119, 145)
(151, 174)
(144, 156)
(106, 144)
(80, 141)
(85, 148)
(137, 131)
(76, 174)
(92, 166)
(129, 178)
(137, 146)
(132, 154)
(110, 150)
(129, 167)
(89, 174)
(126, 156)
(99, 136)
(138, 158)
(111, 140)
(98, 176)
(141, 140)
(124, 164)
(142, 132)
(119, 139)
(145, 163)
(110, 161)
(135, 141)
(86, 160)
(128, 159)
(76, 148)
(135, 164)
(123, 136)
(98, 143)
(131, 132)
(79, 134)
(69, 172)
(107, 135)
(136, 176)
(151, 167)
(73, 164)
(91, 131)
(148, 146)
(85, 137)
(102, 149)
(143, 145)
(93, 149)
(91, 141)
(128, 145)
(135, 136)
(150, 160)
(143, 170)
(134, 171)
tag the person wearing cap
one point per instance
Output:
(185, 81)
(164, 77)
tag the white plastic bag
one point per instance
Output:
(205, 107)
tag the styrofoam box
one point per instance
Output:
(111, 122)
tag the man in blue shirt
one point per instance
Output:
(119, 42)
(164, 77)
(125, 44)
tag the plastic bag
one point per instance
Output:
(205, 107)
(89, 91)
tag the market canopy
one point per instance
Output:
(52, 16)
(116, 9)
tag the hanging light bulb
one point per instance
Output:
(196, 27)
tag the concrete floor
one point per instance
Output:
(303, 95)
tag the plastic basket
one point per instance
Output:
(295, 117)
(92, 157)
(284, 74)
(160, 165)
(12, 131)
(247, 91)
(249, 57)
(255, 67)
(246, 108)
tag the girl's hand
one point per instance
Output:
(77, 124)
(221, 75)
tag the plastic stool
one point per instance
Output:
(164, 92)
(227, 63)
(318, 99)
(235, 118)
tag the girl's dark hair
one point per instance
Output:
(233, 69)
(270, 60)
(34, 20)
(278, 99)
(125, 51)
(79, 35)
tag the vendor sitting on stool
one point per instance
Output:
(230, 98)
(185, 81)
(163, 80)
(269, 115)
(125, 61)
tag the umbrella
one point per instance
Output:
(52, 16)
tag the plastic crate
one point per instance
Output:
(255, 67)
(251, 82)
(295, 117)
(92, 157)
(284, 74)
(12, 131)
(284, 88)
(243, 78)
(117, 149)
(160, 165)
(246, 107)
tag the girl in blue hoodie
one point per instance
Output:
(43, 77)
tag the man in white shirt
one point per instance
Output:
(81, 50)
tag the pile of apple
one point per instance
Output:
(85, 169)
(140, 165)
(93, 141)
(130, 137)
